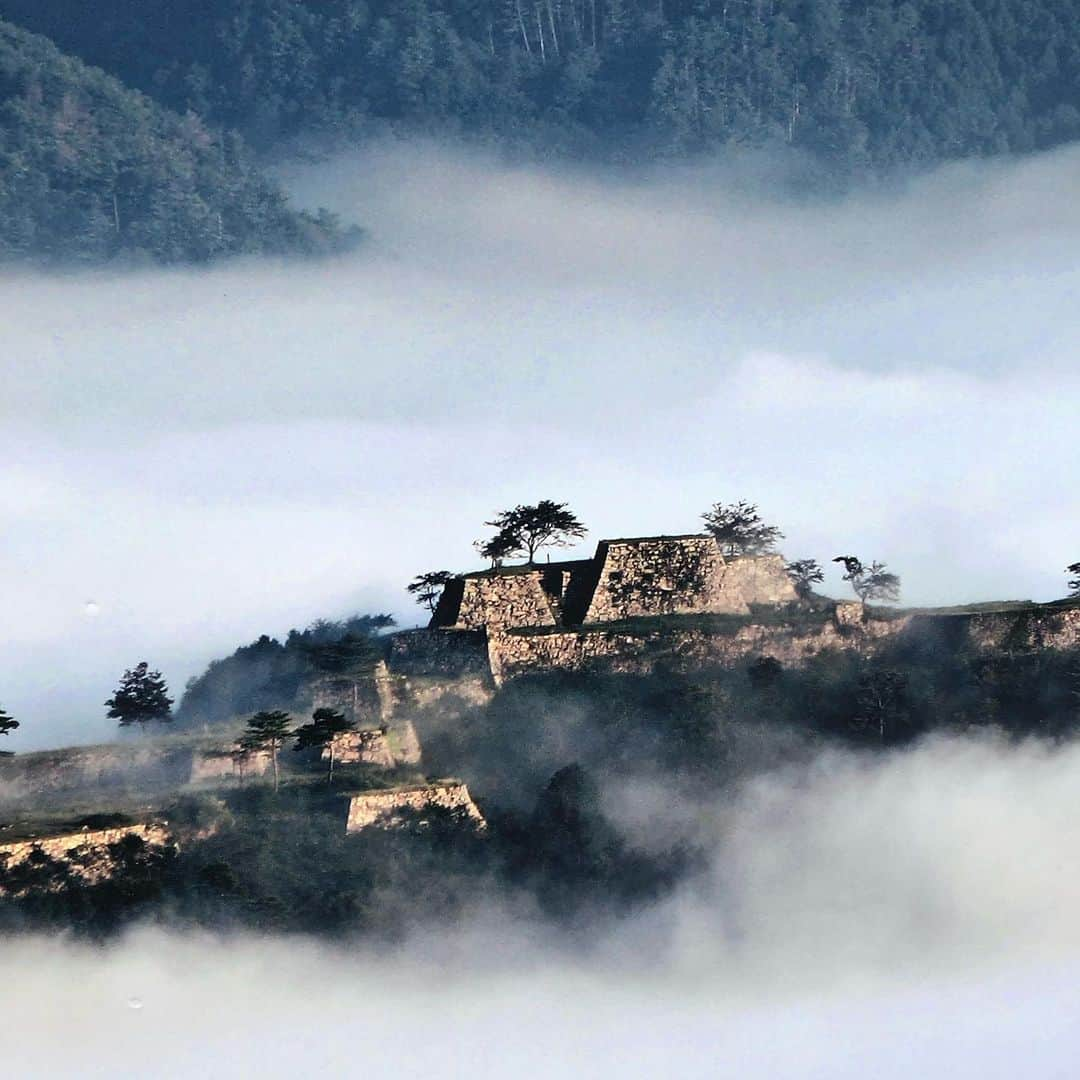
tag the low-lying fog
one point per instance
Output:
(895, 917)
(191, 458)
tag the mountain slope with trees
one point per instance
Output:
(858, 83)
(90, 170)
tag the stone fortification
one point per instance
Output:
(513, 596)
(386, 747)
(689, 643)
(681, 575)
(85, 851)
(625, 579)
(228, 763)
(393, 809)
(148, 765)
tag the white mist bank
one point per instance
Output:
(210, 455)
(890, 917)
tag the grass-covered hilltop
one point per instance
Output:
(350, 778)
(89, 168)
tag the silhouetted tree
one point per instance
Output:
(805, 574)
(527, 529)
(7, 725)
(322, 732)
(739, 530)
(142, 696)
(1074, 582)
(427, 588)
(873, 582)
(499, 548)
(267, 731)
(882, 705)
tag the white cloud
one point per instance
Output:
(215, 454)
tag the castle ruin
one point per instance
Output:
(628, 578)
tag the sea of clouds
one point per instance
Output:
(879, 916)
(189, 458)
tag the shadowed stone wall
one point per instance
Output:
(391, 809)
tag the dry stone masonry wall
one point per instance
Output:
(86, 852)
(393, 809)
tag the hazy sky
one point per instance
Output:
(888, 917)
(208, 455)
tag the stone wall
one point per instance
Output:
(755, 580)
(510, 597)
(448, 653)
(85, 851)
(386, 747)
(682, 575)
(792, 642)
(392, 809)
(228, 763)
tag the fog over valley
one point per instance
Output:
(860, 916)
(206, 455)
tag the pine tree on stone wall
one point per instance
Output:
(525, 530)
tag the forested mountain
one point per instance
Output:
(90, 169)
(861, 83)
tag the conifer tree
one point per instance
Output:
(739, 530)
(7, 725)
(142, 696)
(326, 725)
(427, 588)
(268, 731)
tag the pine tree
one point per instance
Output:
(7, 725)
(142, 696)
(267, 730)
(326, 725)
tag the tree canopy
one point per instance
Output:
(855, 83)
(91, 170)
(1074, 581)
(739, 530)
(525, 530)
(268, 731)
(428, 587)
(322, 733)
(141, 697)
(873, 582)
(805, 574)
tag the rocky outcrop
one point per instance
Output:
(394, 809)
(84, 852)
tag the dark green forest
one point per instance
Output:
(91, 170)
(864, 82)
(854, 88)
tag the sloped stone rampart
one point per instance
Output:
(226, 764)
(387, 747)
(85, 851)
(793, 644)
(391, 809)
(682, 575)
(514, 598)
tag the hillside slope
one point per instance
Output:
(90, 170)
(859, 83)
